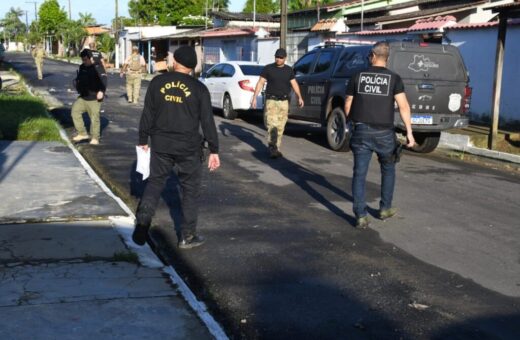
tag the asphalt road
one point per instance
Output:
(282, 259)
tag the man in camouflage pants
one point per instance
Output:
(134, 67)
(280, 79)
(38, 53)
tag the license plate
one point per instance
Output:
(422, 120)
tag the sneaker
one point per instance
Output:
(387, 213)
(191, 241)
(362, 222)
(140, 233)
(80, 137)
(130, 101)
(94, 141)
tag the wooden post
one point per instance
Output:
(283, 24)
(497, 85)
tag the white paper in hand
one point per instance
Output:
(143, 162)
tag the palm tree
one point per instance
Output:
(86, 19)
(14, 28)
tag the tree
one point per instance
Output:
(71, 33)
(106, 44)
(51, 16)
(86, 19)
(218, 5)
(165, 12)
(14, 28)
(262, 6)
(295, 5)
(34, 36)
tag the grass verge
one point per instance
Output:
(24, 118)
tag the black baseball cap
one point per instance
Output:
(280, 53)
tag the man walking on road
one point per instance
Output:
(91, 87)
(176, 106)
(38, 53)
(370, 105)
(134, 67)
(280, 79)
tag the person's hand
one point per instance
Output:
(300, 102)
(100, 95)
(144, 147)
(253, 102)
(121, 74)
(410, 140)
(213, 162)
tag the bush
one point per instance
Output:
(24, 117)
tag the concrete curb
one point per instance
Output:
(463, 143)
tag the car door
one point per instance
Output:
(301, 72)
(317, 85)
(211, 80)
(226, 80)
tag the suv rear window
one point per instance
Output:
(324, 61)
(304, 64)
(251, 70)
(420, 65)
(351, 62)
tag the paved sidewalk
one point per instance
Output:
(68, 274)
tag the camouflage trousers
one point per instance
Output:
(133, 86)
(275, 118)
(39, 67)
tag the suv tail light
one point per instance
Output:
(423, 44)
(467, 99)
(246, 85)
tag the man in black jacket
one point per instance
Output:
(176, 106)
(91, 87)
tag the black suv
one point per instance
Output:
(434, 75)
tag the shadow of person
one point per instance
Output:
(306, 179)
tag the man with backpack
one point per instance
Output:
(134, 67)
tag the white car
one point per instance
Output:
(231, 85)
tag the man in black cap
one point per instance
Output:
(175, 107)
(280, 79)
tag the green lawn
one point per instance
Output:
(24, 117)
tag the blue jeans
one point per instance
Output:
(364, 141)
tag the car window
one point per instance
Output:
(324, 61)
(215, 71)
(303, 65)
(351, 62)
(228, 71)
(251, 70)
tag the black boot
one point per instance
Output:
(143, 221)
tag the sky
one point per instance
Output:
(102, 10)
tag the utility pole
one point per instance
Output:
(116, 35)
(35, 10)
(70, 17)
(283, 24)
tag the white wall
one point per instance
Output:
(266, 49)
(478, 47)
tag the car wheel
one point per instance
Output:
(426, 141)
(227, 108)
(337, 135)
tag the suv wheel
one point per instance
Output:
(426, 141)
(227, 108)
(336, 131)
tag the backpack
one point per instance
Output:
(135, 63)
